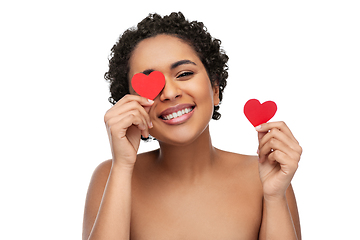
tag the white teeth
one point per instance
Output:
(177, 114)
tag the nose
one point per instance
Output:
(170, 91)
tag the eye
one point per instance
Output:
(185, 74)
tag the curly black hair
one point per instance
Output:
(194, 33)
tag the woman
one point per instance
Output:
(186, 189)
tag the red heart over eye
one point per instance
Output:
(258, 113)
(148, 86)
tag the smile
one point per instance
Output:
(177, 114)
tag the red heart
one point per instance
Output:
(148, 86)
(258, 113)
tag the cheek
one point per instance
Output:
(202, 91)
(202, 94)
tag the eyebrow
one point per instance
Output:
(181, 62)
(174, 65)
(148, 71)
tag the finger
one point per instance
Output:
(288, 165)
(279, 135)
(136, 106)
(121, 122)
(139, 119)
(261, 135)
(145, 133)
(272, 145)
(265, 127)
(144, 102)
(126, 108)
(142, 126)
(130, 97)
(124, 122)
(117, 120)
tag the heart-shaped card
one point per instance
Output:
(258, 113)
(148, 86)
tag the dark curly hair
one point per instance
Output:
(194, 33)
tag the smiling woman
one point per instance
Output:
(186, 189)
(193, 33)
(187, 86)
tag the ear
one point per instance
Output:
(216, 97)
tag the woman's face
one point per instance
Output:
(183, 109)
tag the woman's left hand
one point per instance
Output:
(279, 155)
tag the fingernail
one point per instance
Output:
(257, 151)
(258, 127)
(150, 125)
(150, 101)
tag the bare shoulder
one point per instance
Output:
(99, 179)
(102, 170)
(97, 186)
(238, 162)
(246, 168)
(236, 156)
(243, 169)
(94, 195)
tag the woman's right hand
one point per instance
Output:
(125, 122)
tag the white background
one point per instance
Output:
(303, 55)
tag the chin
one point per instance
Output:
(181, 137)
(177, 142)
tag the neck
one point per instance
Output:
(189, 161)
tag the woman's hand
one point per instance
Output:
(125, 122)
(279, 155)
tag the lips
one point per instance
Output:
(176, 111)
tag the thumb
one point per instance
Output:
(147, 108)
(260, 133)
(148, 105)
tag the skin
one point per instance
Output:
(188, 189)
